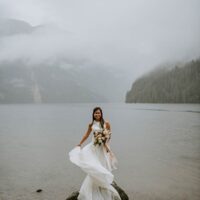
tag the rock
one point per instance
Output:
(39, 190)
(73, 196)
(121, 192)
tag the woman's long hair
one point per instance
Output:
(101, 119)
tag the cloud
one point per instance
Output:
(133, 35)
(45, 44)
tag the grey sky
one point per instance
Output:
(133, 35)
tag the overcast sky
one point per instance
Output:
(133, 35)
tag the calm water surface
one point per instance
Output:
(157, 146)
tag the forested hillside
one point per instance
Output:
(179, 84)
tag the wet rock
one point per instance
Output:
(121, 192)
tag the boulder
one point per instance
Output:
(121, 192)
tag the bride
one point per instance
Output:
(97, 160)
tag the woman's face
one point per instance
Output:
(97, 114)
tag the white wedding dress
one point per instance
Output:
(98, 164)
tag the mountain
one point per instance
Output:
(35, 57)
(179, 84)
(46, 84)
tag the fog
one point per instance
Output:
(129, 36)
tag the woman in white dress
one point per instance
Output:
(97, 160)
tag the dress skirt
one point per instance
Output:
(98, 165)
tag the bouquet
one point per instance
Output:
(102, 137)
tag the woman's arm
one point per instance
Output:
(108, 125)
(107, 144)
(86, 135)
(109, 128)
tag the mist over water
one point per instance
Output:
(157, 146)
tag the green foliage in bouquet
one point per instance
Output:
(102, 137)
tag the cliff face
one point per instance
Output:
(175, 85)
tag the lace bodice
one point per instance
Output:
(96, 126)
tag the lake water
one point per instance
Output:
(157, 146)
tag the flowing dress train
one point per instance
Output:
(98, 165)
